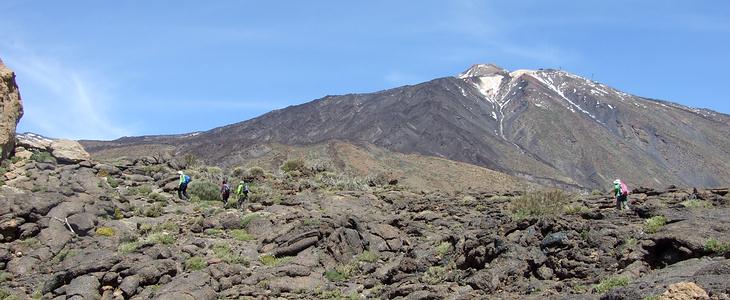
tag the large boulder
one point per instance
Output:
(11, 110)
(67, 151)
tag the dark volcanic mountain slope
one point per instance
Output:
(547, 126)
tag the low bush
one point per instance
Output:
(293, 165)
(653, 224)
(43, 156)
(696, 203)
(255, 172)
(540, 203)
(368, 256)
(610, 283)
(272, 261)
(443, 249)
(718, 247)
(154, 211)
(195, 263)
(204, 190)
(434, 275)
(105, 231)
(241, 235)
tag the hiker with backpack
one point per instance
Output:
(182, 189)
(242, 193)
(621, 191)
(225, 192)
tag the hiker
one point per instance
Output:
(621, 191)
(225, 191)
(242, 193)
(182, 189)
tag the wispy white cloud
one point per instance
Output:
(63, 100)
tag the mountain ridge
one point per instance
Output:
(532, 124)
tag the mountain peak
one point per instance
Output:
(482, 70)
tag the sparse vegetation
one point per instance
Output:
(443, 249)
(241, 235)
(43, 157)
(368, 256)
(574, 209)
(214, 232)
(105, 231)
(5, 276)
(334, 276)
(164, 238)
(434, 275)
(154, 211)
(653, 224)
(195, 263)
(204, 190)
(113, 182)
(245, 220)
(718, 247)
(696, 203)
(128, 247)
(224, 252)
(256, 172)
(610, 283)
(272, 261)
(293, 165)
(540, 203)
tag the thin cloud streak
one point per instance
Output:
(61, 101)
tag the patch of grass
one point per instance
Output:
(256, 172)
(715, 246)
(154, 211)
(128, 247)
(334, 276)
(157, 197)
(696, 203)
(43, 157)
(5, 276)
(30, 243)
(225, 253)
(105, 231)
(434, 275)
(574, 209)
(596, 193)
(610, 283)
(142, 190)
(162, 238)
(653, 224)
(367, 256)
(443, 249)
(214, 231)
(118, 215)
(540, 203)
(245, 220)
(272, 261)
(293, 165)
(113, 182)
(195, 263)
(153, 169)
(241, 235)
(205, 190)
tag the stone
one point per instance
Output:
(129, 285)
(684, 291)
(87, 287)
(82, 223)
(68, 151)
(11, 110)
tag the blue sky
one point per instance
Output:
(102, 70)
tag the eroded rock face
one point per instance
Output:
(11, 110)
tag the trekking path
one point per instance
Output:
(302, 238)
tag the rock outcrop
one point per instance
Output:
(11, 110)
(111, 230)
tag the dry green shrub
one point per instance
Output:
(204, 190)
(293, 165)
(540, 203)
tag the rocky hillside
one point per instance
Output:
(80, 229)
(546, 126)
(11, 110)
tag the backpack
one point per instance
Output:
(624, 189)
(226, 189)
(187, 179)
